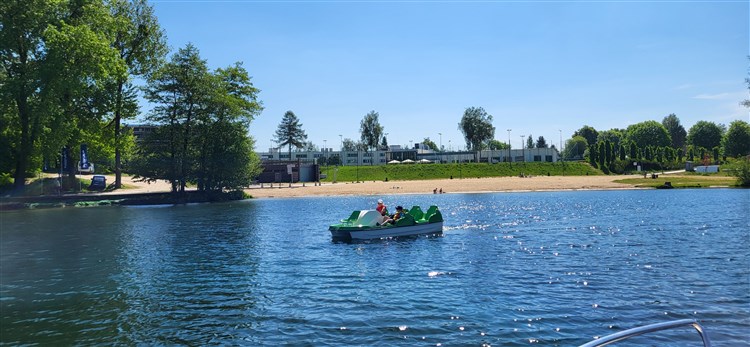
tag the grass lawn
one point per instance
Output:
(683, 181)
(403, 172)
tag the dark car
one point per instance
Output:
(98, 182)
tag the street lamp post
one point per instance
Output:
(341, 149)
(510, 159)
(441, 147)
(385, 135)
(523, 148)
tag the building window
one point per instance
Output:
(537, 158)
(549, 158)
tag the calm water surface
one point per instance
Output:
(511, 269)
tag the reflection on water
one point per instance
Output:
(509, 269)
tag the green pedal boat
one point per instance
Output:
(365, 224)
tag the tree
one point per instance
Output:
(290, 133)
(141, 44)
(705, 134)
(39, 40)
(348, 145)
(736, 141)
(476, 125)
(541, 142)
(589, 133)
(370, 130)
(648, 133)
(495, 145)
(203, 119)
(530, 141)
(676, 131)
(429, 144)
(384, 144)
(614, 136)
(575, 147)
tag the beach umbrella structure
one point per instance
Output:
(407, 161)
(424, 161)
(394, 162)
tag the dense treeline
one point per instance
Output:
(655, 146)
(67, 78)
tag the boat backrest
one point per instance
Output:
(433, 214)
(406, 220)
(352, 218)
(416, 212)
(430, 212)
(369, 218)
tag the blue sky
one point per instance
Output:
(536, 67)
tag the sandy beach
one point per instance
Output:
(467, 185)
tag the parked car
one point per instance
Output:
(98, 182)
(88, 170)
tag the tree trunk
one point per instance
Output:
(118, 118)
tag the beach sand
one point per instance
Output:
(466, 185)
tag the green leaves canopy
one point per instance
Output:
(705, 135)
(736, 141)
(370, 130)
(290, 133)
(648, 133)
(476, 125)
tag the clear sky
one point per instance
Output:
(543, 68)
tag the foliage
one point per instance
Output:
(648, 133)
(349, 145)
(370, 130)
(42, 107)
(575, 148)
(141, 44)
(705, 134)
(530, 141)
(541, 142)
(476, 125)
(741, 170)
(588, 133)
(736, 141)
(290, 133)
(203, 118)
(495, 144)
(676, 131)
(429, 144)
(614, 136)
(458, 171)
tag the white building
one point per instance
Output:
(350, 158)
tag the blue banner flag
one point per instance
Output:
(84, 157)
(64, 158)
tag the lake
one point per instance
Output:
(511, 269)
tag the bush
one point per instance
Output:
(741, 170)
(6, 180)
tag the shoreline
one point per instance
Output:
(448, 186)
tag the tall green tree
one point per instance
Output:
(370, 130)
(614, 136)
(348, 145)
(736, 141)
(290, 133)
(203, 119)
(39, 40)
(530, 141)
(575, 147)
(541, 142)
(676, 131)
(705, 134)
(181, 90)
(648, 133)
(140, 43)
(589, 133)
(476, 125)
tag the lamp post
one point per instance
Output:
(341, 150)
(523, 148)
(441, 147)
(510, 159)
(560, 130)
(385, 135)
